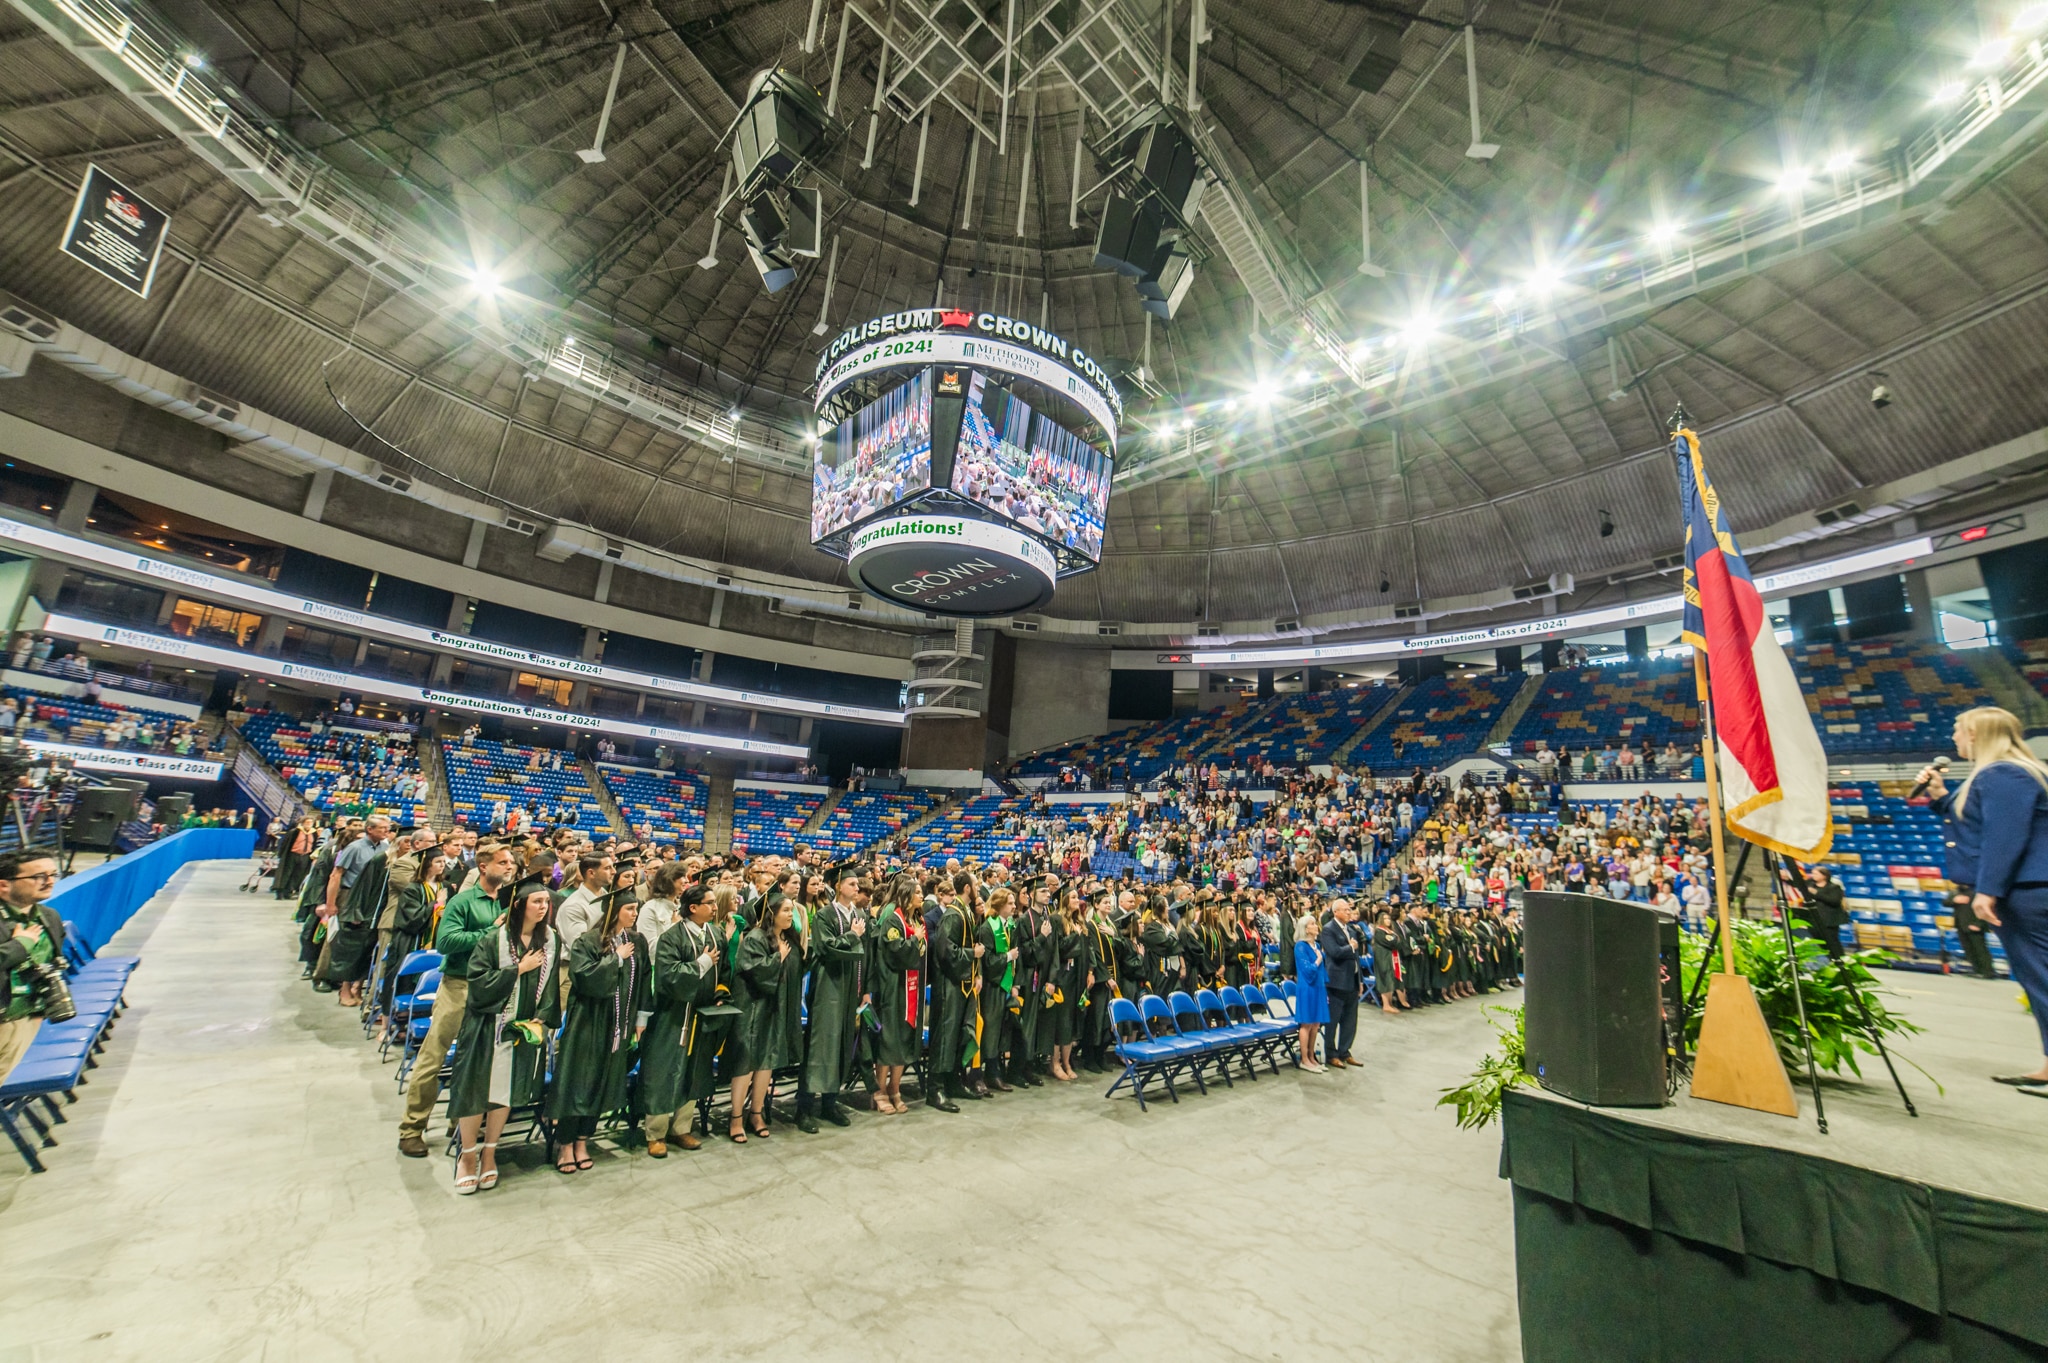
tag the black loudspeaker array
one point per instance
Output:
(782, 125)
(98, 813)
(172, 809)
(1143, 228)
(1601, 976)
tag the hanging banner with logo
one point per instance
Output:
(115, 231)
(950, 566)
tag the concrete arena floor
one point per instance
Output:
(229, 1188)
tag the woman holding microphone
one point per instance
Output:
(1997, 836)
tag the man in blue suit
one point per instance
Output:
(1340, 955)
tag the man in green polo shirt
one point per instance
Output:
(467, 918)
(31, 934)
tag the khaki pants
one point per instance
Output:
(15, 1037)
(423, 1088)
(656, 1126)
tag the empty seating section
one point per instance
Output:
(1636, 702)
(314, 762)
(1302, 730)
(868, 816)
(986, 827)
(1180, 739)
(1889, 696)
(1888, 852)
(670, 803)
(2030, 656)
(766, 822)
(1444, 718)
(1084, 752)
(482, 773)
(63, 719)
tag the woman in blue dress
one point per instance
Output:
(1311, 1008)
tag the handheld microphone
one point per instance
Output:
(1940, 764)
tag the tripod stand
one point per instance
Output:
(1787, 880)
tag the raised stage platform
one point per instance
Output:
(1705, 1232)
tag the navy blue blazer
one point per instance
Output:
(1341, 954)
(2001, 839)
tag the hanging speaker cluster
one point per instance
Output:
(781, 128)
(1147, 226)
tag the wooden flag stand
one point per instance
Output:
(1737, 1062)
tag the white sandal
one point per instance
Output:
(487, 1179)
(465, 1186)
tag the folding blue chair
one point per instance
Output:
(415, 965)
(1268, 1035)
(1187, 1052)
(1143, 1058)
(1218, 1048)
(1249, 1044)
(419, 1017)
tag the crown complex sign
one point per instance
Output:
(948, 565)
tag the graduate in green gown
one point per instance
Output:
(839, 962)
(768, 987)
(713, 1041)
(508, 1023)
(608, 996)
(997, 938)
(897, 947)
(686, 965)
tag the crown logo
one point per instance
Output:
(955, 317)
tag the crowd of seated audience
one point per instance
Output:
(341, 769)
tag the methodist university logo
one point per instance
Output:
(951, 566)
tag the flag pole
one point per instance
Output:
(1737, 1058)
(1720, 847)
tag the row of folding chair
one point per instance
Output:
(1159, 1040)
(55, 1063)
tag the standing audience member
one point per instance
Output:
(1340, 985)
(464, 922)
(31, 937)
(1311, 1005)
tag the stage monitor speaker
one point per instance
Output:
(172, 809)
(1593, 1004)
(783, 121)
(1128, 239)
(98, 813)
(1167, 160)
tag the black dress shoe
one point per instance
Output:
(835, 1115)
(942, 1103)
(806, 1123)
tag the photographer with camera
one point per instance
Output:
(31, 953)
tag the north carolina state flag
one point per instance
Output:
(1774, 774)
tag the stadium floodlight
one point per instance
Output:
(1792, 179)
(1840, 162)
(1663, 234)
(1419, 329)
(1948, 92)
(486, 281)
(1991, 54)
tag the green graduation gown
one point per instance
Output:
(679, 987)
(998, 1023)
(712, 1039)
(839, 970)
(769, 992)
(606, 995)
(898, 957)
(498, 997)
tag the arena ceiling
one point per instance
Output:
(1708, 204)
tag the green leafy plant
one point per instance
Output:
(1478, 1099)
(1828, 989)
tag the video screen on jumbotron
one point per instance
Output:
(1023, 466)
(873, 459)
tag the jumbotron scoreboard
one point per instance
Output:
(963, 460)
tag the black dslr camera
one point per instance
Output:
(47, 987)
